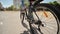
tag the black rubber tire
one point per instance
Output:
(54, 10)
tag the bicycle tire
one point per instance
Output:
(53, 11)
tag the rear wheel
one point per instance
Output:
(49, 19)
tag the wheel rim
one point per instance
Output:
(48, 19)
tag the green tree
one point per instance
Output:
(54, 3)
(11, 8)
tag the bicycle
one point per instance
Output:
(42, 18)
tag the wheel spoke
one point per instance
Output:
(48, 20)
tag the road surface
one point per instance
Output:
(10, 23)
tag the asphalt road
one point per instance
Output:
(10, 23)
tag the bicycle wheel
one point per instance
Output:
(49, 19)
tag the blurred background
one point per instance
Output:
(14, 5)
(10, 22)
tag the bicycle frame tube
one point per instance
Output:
(23, 8)
(30, 14)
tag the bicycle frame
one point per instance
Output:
(30, 14)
